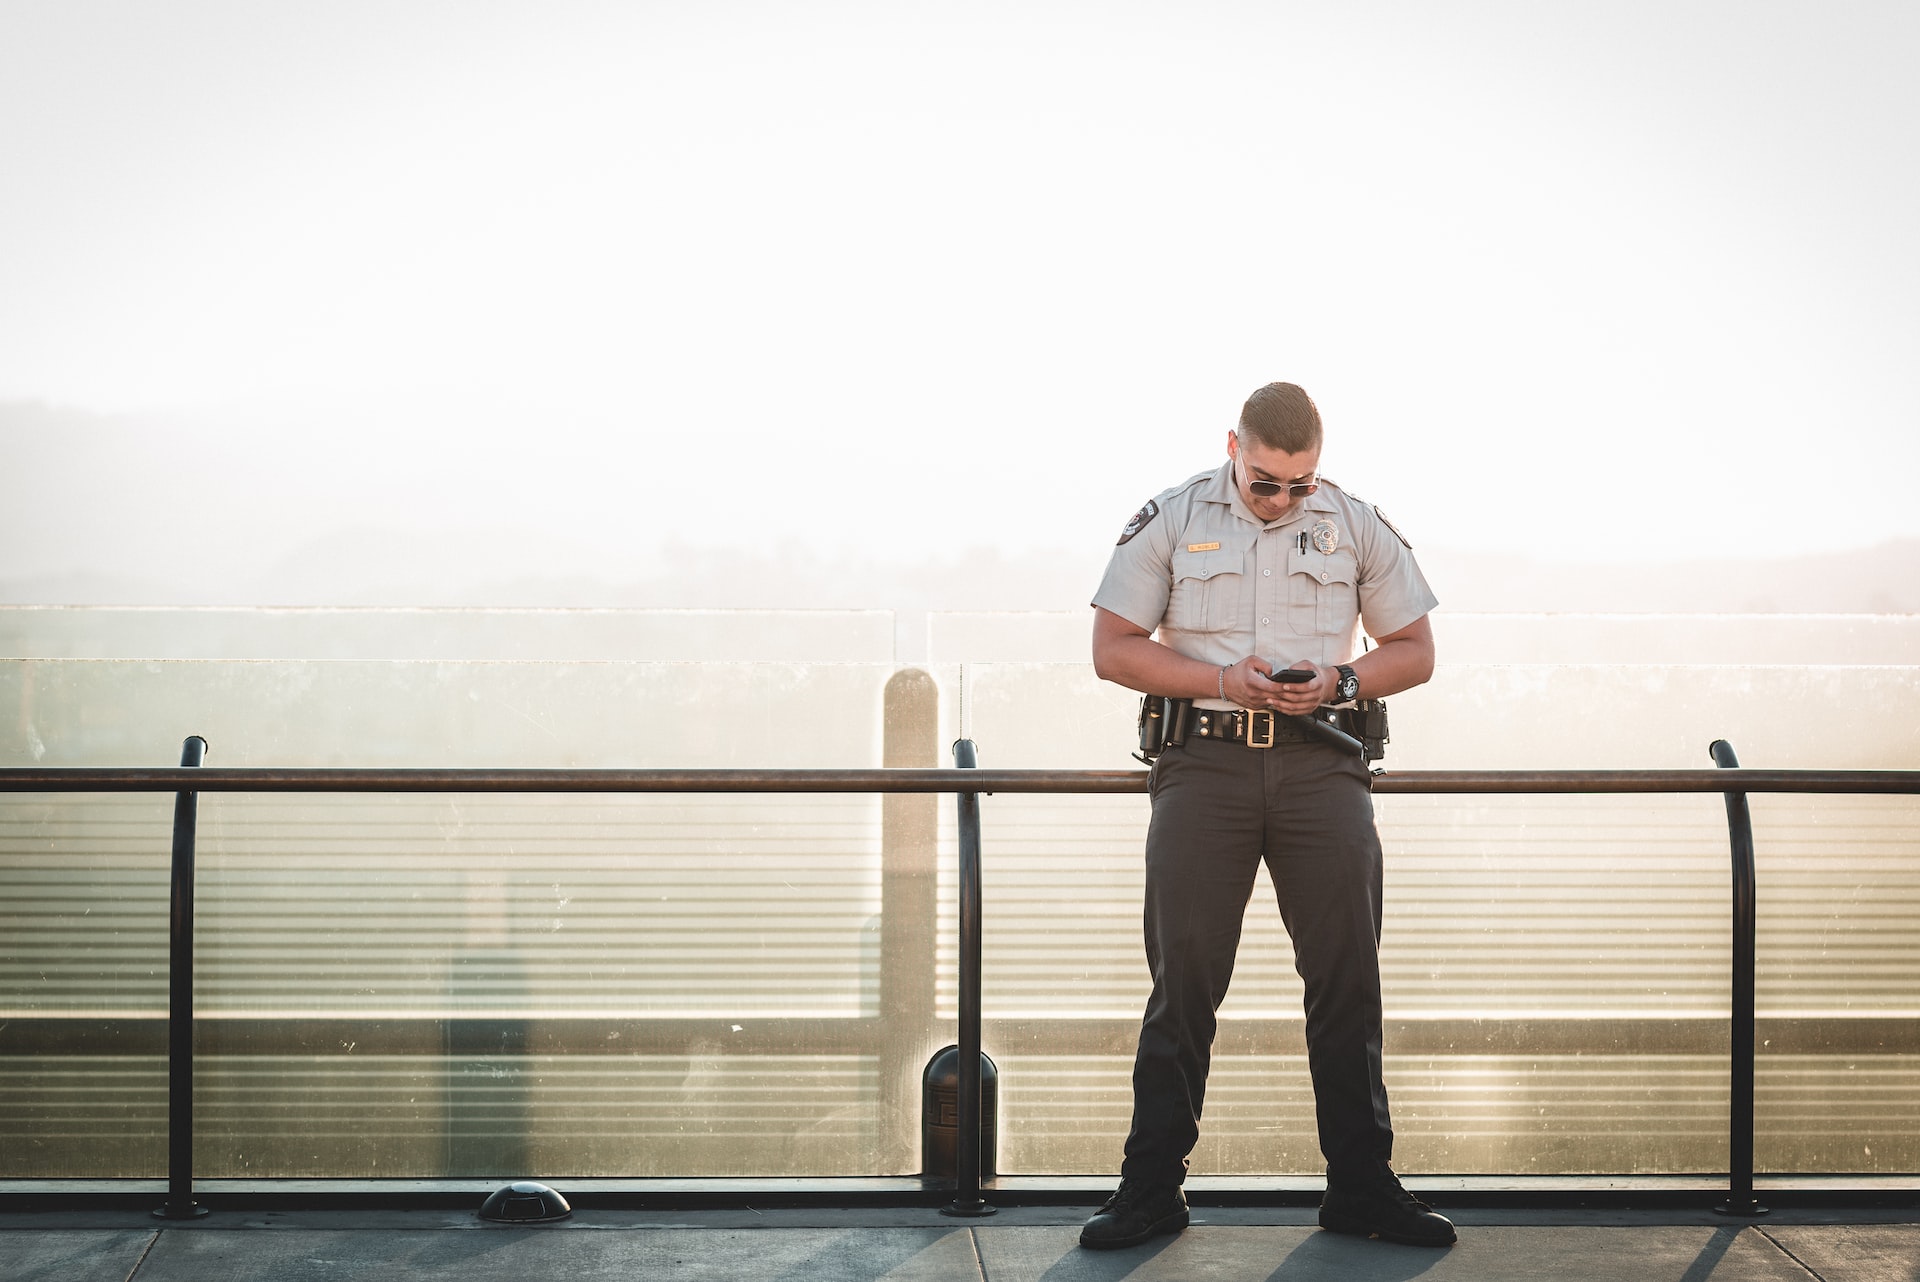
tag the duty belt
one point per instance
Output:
(1258, 728)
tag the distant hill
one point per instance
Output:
(133, 510)
(1876, 580)
(372, 567)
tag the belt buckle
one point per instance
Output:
(1253, 719)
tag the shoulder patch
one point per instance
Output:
(1391, 526)
(1141, 520)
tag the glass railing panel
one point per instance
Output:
(1556, 968)
(1846, 1110)
(381, 907)
(1527, 1114)
(419, 985)
(83, 982)
(1837, 1082)
(83, 903)
(705, 1109)
(749, 985)
(1839, 906)
(1554, 908)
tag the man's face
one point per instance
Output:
(1253, 462)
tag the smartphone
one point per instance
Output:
(1292, 676)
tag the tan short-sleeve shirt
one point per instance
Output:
(1217, 584)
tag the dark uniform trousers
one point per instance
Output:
(1220, 808)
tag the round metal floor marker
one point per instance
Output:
(525, 1202)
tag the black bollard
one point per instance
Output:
(940, 1118)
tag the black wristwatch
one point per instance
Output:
(1349, 687)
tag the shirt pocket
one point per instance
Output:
(1322, 600)
(1206, 589)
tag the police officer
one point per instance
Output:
(1256, 566)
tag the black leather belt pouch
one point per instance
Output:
(1153, 727)
(1163, 725)
(1366, 721)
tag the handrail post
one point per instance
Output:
(180, 1204)
(1741, 1052)
(966, 1155)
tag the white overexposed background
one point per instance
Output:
(546, 303)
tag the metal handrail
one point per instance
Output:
(328, 779)
(967, 1137)
(1744, 1006)
(967, 783)
(186, 809)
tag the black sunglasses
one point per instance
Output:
(1294, 489)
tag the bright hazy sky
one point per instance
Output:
(1592, 281)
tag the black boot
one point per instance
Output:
(1382, 1208)
(1135, 1213)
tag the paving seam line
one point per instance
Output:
(979, 1260)
(1811, 1272)
(152, 1242)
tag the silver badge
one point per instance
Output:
(1326, 535)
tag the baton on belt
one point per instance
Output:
(1327, 734)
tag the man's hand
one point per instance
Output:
(1126, 653)
(1249, 686)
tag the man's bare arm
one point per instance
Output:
(1126, 653)
(1399, 661)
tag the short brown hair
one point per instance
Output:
(1281, 416)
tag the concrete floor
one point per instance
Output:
(1019, 1244)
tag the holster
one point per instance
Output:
(1163, 725)
(1366, 721)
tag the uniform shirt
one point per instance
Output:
(1218, 584)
